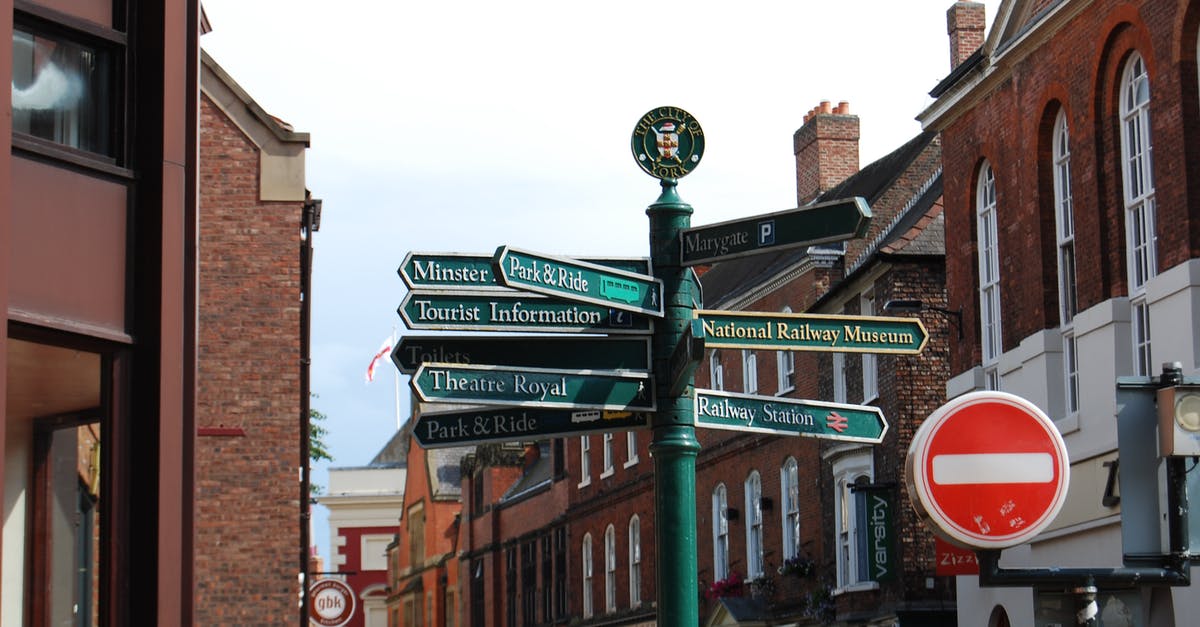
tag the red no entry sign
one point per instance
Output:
(988, 470)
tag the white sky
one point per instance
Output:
(461, 125)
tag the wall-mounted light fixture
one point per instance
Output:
(916, 306)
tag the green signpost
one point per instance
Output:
(572, 352)
(787, 416)
(581, 281)
(538, 387)
(812, 332)
(825, 222)
(533, 387)
(514, 312)
(519, 424)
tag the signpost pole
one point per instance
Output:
(674, 446)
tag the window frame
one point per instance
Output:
(749, 371)
(870, 362)
(720, 525)
(610, 569)
(1068, 293)
(850, 537)
(988, 252)
(586, 567)
(585, 462)
(716, 374)
(609, 466)
(789, 499)
(754, 525)
(1140, 204)
(635, 561)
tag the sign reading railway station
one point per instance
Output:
(508, 424)
(988, 470)
(533, 387)
(576, 280)
(812, 332)
(821, 223)
(786, 416)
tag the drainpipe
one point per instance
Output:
(311, 222)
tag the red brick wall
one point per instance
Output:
(247, 486)
(1078, 71)
(826, 150)
(965, 25)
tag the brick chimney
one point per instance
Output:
(965, 23)
(826, 149)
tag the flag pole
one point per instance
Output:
(396, 373)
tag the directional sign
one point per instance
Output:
(534, 387)
(988, 470)
(599, 353)
(788, 416)
(686, 358)
(581, 281)
(519, 424)
(457, 271)
(493, 311)
(813, 332)
(832, 221)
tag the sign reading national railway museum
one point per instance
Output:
(787, 416)
(492, 311)
(812, 332)
(534, 387)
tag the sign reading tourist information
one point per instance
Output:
(987, 470)
(785, 416)
(330, 603)
(598, 353)
(581, 281)
(668, 143)
(510, 424)
(832, 221)
(456, 271)
(812, 332)
(534, 387)
(515, 312)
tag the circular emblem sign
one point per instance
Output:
(668, 143)
(988, 470)
(330, 603)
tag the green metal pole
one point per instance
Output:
(674, 446)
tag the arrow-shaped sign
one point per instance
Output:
(812, 332)
(787, 416)
(514, 312)
(513, 424)
(534, 387)
(581, 281)
(457, 271)
(686, 357)
(599, 353)
(832, 221)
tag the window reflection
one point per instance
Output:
(61, 91)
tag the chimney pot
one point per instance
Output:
(843, 108)
(825, 107)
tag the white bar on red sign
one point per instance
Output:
(983, 468)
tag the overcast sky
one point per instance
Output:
(464, 125)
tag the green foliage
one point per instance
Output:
(317, 450)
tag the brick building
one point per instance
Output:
(1072, 254)
(97, 283)
(250, 399)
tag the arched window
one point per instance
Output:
(785, 367)
(635, 561)
(789, 487)
(716, 376)
(1064, 219)
(989, 275)
(586, 561)
(1141, 259)
(749, 372)
(720, 523)
(610, 570)
(754, 525)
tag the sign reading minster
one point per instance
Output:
(812, 332)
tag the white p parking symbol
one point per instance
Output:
(766, 232)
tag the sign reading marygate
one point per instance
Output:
(779, 331)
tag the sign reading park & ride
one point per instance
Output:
(514, 312)
(987, 470)
(513, 424)
(534, 387)
(785, 416)
(572, 352)
(330, 603)
(821, 223)
(812, 332)
(459, 271)
(581, 281)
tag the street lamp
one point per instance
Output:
(915, 306)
